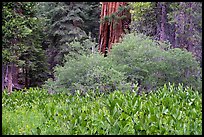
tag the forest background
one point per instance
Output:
(38, 36)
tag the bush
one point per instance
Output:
(92, 72)
(136, 60)
(152, 63)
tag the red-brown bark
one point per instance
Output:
(110, 32)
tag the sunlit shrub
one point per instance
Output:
(152, 63)
(92, 72)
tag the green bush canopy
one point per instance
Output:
(137, 60)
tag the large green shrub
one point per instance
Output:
(152, 63)
(137, 59)
(90, 72)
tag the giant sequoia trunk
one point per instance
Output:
(114, 23)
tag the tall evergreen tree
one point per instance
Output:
(20, 37)
(69, 22)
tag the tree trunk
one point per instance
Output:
(27, 76)
(10, 83)
(3, 76)
(158, 20)
(170, 28)
(15, 72)
(180, 25)
(111, 31)
(163, 21)
(190, 29)
(171, 34)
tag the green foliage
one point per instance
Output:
(86, 72)
(180, 18)
(136, 60)
(193, 13)
(76, 49)
(16, 21)
(142, 59)
(91, 19)
(138, 9)
(143, 17)
(116, 16)
(169, 111)
(22, 37)
(68, 22)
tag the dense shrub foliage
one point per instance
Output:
(136, 60)
(170, 110)
(153, 63)
(93, 72)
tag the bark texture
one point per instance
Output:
(163, 21)
(3, 77)
(10, 79)
(180, 27)
(190, 29)
(111, 31)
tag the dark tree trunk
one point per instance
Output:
(158, 20)
(15, 78)
(176, 36)
(170, 28)
(52, 53)
(171, 34)
(180, 25)
(26, 77)
(6, 77)
(3, 76)
(15, 73)
(163, 21)
(111, 32)
(190, 30)
(10, 83)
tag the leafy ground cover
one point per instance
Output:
(169, 110)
